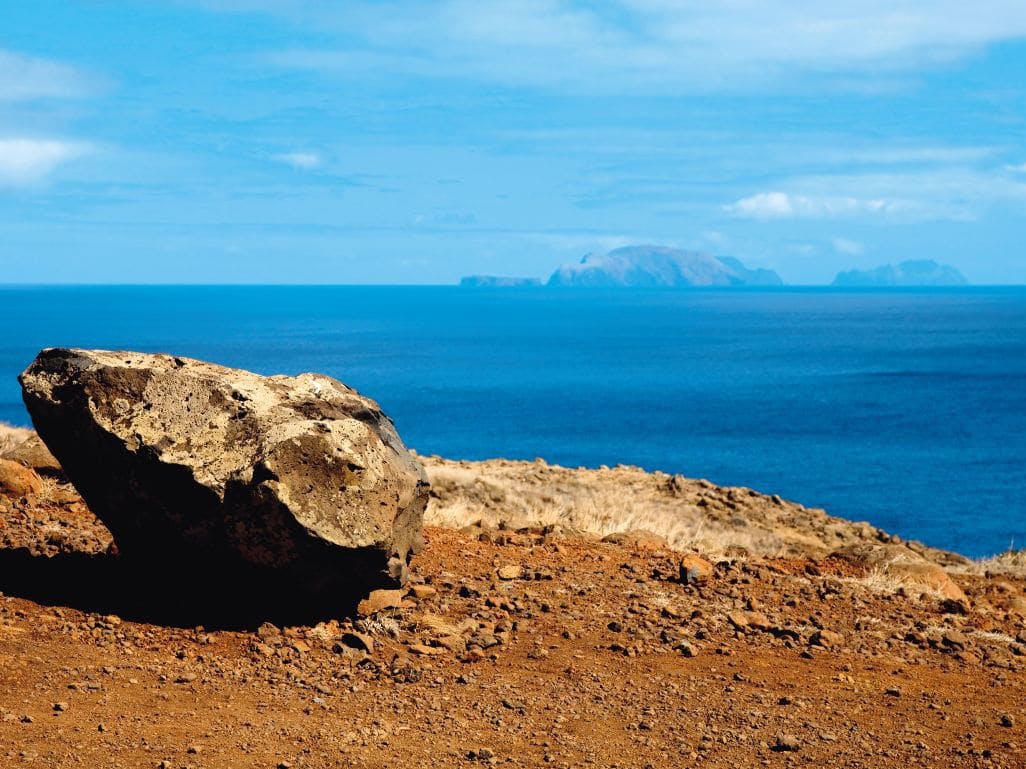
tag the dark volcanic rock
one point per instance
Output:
(199, 466)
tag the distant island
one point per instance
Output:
(498, 281)
(650, 266)
(659, 267)
(644, 266)
(915, 272)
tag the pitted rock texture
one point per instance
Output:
(206, 465)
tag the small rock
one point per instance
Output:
(1006, 720)
(786, 743)
(263, 650)
(695, 570)
(426, 651)
(742, 620)
(828, 639)
(954, 639)
(487, 755)
(636, 538)
(359, 641)
(60, 707)
(267, 631)
(509, 571)
(422, 592)
(738, 619)
(379, 600)
(16, 480)
(686, 649)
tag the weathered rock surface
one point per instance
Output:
(16, 480)
(903, 567)
(208, 466)
(695, 570)
(32, 452)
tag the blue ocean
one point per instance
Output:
(903, 408)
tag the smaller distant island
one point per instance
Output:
(914, 272)
(498, 281)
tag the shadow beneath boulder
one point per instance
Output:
(173, 593)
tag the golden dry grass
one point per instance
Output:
(688, 514)
(1008, 562)
(11, 436)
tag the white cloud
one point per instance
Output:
(952, 193)
(845, 246)
(1020, 168)
(303, 160)
(27, 161)
(783, 205)
(23, 78)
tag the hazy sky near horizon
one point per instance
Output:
(415, 142)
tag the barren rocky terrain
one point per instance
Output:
(713, 627)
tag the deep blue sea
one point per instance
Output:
(904, 408)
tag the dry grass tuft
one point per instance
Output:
(1011, 562)
(688, 514)
(883, 582)
(11, 436)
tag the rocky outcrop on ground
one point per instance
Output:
(190, 463)
(625, 503)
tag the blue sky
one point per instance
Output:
(414, 142)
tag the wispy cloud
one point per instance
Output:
(783, 205)
(302, 160)
(24, 78)
(654, 44)
(28, 161)
(849, 247)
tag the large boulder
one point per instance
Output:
(198, 466)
